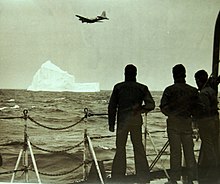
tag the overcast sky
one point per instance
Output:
(152, 34)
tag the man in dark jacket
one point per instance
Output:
(178, 102)
(208, 124)
(128, 100)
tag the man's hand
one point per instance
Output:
(196, 134)
(111, 128)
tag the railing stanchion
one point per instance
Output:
(24, 151)
(95, 159)
(85, 151)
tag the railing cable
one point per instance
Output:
(52, 128)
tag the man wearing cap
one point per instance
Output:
(129, 99)
(178, 103)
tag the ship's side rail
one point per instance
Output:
(89, 155)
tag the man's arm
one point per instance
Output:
(112, 109)
(164, 103)
(149, 103)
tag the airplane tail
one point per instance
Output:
(103, 15)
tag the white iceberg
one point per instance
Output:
(51, 78)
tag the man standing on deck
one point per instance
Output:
(208, 124)
(178, 102)
(128, 100)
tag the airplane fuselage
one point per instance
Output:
(93, 20)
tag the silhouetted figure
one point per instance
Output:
(128, 100)
(1, 162)
(208, 124)
(178, 102)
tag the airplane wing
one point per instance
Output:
(83, 19)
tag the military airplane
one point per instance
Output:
(99, 18)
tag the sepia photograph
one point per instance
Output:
(110, 92)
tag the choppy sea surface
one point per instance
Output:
(55, 127)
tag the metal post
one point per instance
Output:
(95, 159)
(151, 140)
(33, 160)
(16, 166)
(156, 151)
(159, 155)
(24, 151)
(85, 166)
(88, 143)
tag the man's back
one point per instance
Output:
(128, 98)
(209, 102)
(179, 100)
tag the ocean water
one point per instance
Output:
(59, 152)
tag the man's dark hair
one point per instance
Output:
(130, 73)
(179, 71)
(201, 75)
